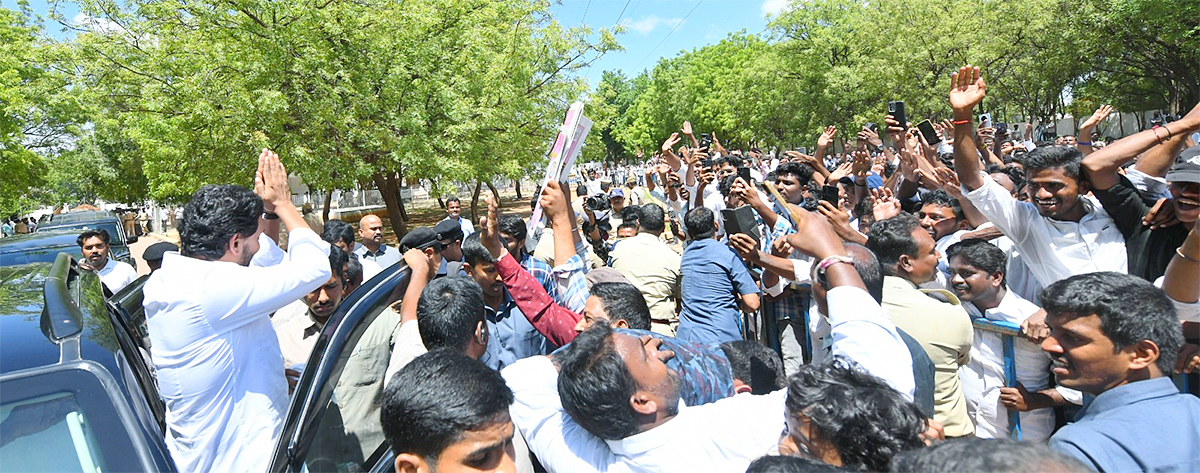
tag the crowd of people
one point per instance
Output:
(723, 310)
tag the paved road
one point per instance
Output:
(138, 247)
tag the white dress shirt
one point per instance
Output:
(722, 436)
(983, 377)
(218, 361)
(116, 275)
(1054, 249)
(859, 329)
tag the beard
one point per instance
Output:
(672, 391)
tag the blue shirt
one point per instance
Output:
(1141, 426)
(510, 336)
(713, 277)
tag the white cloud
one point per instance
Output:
(650, 23)
(96, 25)
(774, 7)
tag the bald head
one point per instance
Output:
(370, 229)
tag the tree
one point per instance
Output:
(349, 93)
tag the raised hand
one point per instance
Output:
(552, 201)
(420, 263)
(1095, 119)
(841, 171)
(686, 128)
(489, 233)
(884, 204)
(908, 166)
(947, 180)
(800, 157)
(671, 142)
(862, 164)
(870, 137)
(270, 181)
(745, 247)
(967, 89)
(895, 130)
(826, 137)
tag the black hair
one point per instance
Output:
(947, 159)
(652, 219)
(998, 455)
(213, 215)
(514, 226)
(756, 365)
(438, 397)
(1130, 310)
(93, 233)
(730, 160)
(354, 269)
(631, 214)
(473, 251)
(700, 223)
(726, 184)
(453, 198)
(867, 266)
(803, 172)
(449, 310)
(860, 415)
(891, 238)
(943, 199)
(627, 224)
(983, 255)
(337, 230)
(790, 464)
(622, 300)
(337, 263)
(595, 385)
(1066, 158)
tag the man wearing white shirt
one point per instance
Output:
(977, 271)
(1061, 231)
(218, 361)
(114, 274)
(454, 213)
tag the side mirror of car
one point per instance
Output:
(131, 240)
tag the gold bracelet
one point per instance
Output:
(1179, 252)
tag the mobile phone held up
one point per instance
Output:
(927, 131)
(706, 141)
(744, 173)
(985, 120)
(896, 110)
(830, 194)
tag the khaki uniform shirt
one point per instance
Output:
(653, 267)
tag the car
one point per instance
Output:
(77, 222)
(39, 247)
(77, 379)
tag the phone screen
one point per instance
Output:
(928, 132)
(830, 194)
(744, 173)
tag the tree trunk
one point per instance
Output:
(475, 201)
(495, 193)
(517, 186)
(433, 187)
(403, 210)
(389, 189)
(325, 208)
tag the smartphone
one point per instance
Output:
(931, 136)
(830, 194)
(873, 127)
(705, 140)
(1001, 129)
(896, 110)
(985, 119)
(744, 173)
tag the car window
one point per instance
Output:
(349, 432)
(64, 420)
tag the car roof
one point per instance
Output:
(26, 341)
(49, 238)
(78, 217)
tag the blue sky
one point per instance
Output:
(649, 25)
(654, 28)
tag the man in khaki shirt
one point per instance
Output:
(908, 256)
(653, 267)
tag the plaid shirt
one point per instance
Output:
(564, 283)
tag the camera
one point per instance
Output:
(705, 140)
(598, 202)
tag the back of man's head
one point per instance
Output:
(595, 385)
(856, 413)
(437, 398)
(449, 312)
(892, 238)
(474, 252)
(1066, 158)
(337, 263)
(514, 226)
(755, 365)
(790, 464)
(623, 301)
(991, 455)
(214, 215)
(868, 269)
(651, 219)
(100, 233)
(700, 223)
(338, 231)
(1130, 310)
(354, 270)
